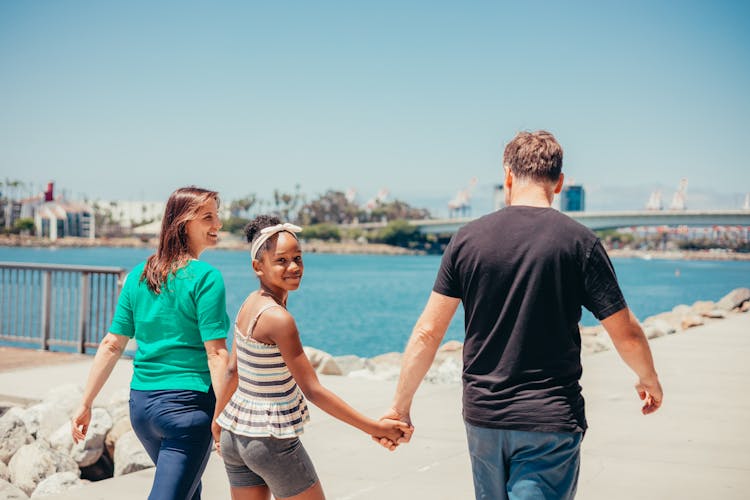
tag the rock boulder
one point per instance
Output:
(658, 328)
(11, 492)
(88, 451)
(670, 318)
(4, 472)
(322, 362)
(43, 419)
(35, 462)
(57, 484)
(350, 363)
(130, 455)
(734, 299)
(714, 314)
(62, 439)
(691, 321)
(702, 306)
(118, 405)
(118, 429)
(65, 398)
(13, 434)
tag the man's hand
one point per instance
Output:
(390, 432)
(393, 414)
(651, 394)
(632, 346)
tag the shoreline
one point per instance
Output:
(226, 242)
(716, 254)
(447, 365)
(231, 242)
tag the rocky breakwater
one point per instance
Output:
(448, 363)
(38, 457)
(682, 317)
(446, 368)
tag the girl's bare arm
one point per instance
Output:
(279, 326)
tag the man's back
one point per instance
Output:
(523, 274)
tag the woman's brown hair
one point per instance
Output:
(173, 252)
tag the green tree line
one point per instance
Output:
(322, 216)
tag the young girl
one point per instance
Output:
(266, 414)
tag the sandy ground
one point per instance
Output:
(13, 358)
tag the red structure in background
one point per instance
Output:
(49, 194)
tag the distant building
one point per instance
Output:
(498, 197)
(60, 219)
(573, 198)
(129, 214)
(125, 217)
(53, 218)
(10, 213)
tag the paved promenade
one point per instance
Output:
(695, 447)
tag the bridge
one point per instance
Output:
(604, 220)
(613, 220)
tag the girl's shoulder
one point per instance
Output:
(256, 306)
(264, 316)
(275, 324)
(276, 314)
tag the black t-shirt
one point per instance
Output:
(523, 274)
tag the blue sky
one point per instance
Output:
(129, 100)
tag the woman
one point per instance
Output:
(174, 306)
(268, 368)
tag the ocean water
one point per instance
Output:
(367, 304)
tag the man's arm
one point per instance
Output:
(632, 345)
(420, 352)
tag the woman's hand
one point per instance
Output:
(79, 425)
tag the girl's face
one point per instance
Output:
(203, 231)
(280, 267)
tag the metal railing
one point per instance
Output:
(63, 306)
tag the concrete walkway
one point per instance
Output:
(696, 446)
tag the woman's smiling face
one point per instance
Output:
(203, 231)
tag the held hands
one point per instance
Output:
(401, 422)
(651, 394)
(79, 424)
(390, 432)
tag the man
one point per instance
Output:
(523, 274)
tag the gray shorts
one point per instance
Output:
(281, 464)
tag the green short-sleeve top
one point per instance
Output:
(171, 327)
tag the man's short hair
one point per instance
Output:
(535, 156)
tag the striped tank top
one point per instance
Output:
(267, 402)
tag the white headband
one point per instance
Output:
(269, 231)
